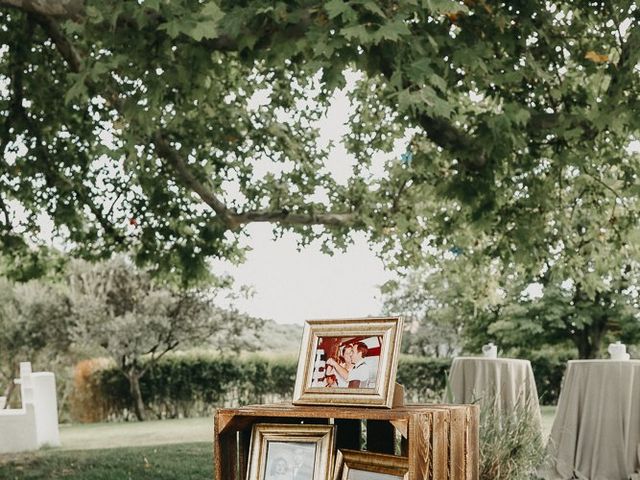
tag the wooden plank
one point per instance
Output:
(402, 425)
(420, 451)
(288, 410)
(473, 443)
(380, 437)
(220, 448)
(225, 455)
(440, 444)
(457, 443)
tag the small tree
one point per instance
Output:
(135, 320)
(33, 327)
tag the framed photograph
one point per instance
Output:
(349, 362)
(291, 452)
(357, 465)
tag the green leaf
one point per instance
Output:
(336, 8)
(392, 31)
(438, 82)
(78, 89)
(208, 29)
(173, 28)
(517, 114)
(373, 8)
(357, 32)
(152, 4)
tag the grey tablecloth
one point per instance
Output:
(507, 383)
(596, 432)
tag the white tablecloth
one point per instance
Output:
(506, 382)
(596, 432)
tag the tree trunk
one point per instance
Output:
(589, 339)
(583, 343)
(136, 394)
(8, 392)
(11, 387)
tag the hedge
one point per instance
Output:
(185, 385)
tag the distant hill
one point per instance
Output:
(276, 338)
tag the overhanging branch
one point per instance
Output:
(188, 179)
(62, 43)
(284, 217)
(60, 9)
(231, 218)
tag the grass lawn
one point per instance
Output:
(186, 461)
(548, 414)
(154, 432)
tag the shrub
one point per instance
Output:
(548, 369)
(191, 384)
(511, 446)
(183, 385)
(424, 379)
(86, 400)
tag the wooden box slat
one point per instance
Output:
(441, 441)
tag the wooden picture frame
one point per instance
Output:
(360, 354)
(359, 465)
(291, 451)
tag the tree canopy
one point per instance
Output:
(138, 126)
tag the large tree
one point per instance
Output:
(583, 292)
(138, 126)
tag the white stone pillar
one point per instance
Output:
(46, 408)
(26, 383)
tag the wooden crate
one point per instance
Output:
(441, 441)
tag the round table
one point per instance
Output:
(507, 383)
(596, 432)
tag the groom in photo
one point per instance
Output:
(359, 374)
(302, 467)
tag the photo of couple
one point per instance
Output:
(347, 362)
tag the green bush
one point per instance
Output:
(548, 369)
(184, 385)
(424, 379)
(511, 446)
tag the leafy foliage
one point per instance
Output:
(163, 127)
(511, 445)
(583, 291)
(34, 327)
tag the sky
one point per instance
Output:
(292, 286)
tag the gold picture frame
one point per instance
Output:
(286, 451)
(358, 465)
(348, 362)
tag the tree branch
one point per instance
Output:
(284, 217)
(5, 212)
(228, 216)
(166, 151)
(62, 9)
(64, 46)
(444, 134)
